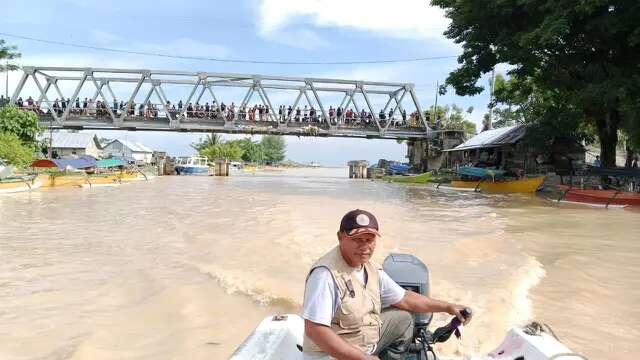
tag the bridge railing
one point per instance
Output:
(123, 107)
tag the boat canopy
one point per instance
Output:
(83, 162)
(479, 172)
(113, 162)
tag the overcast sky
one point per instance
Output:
(272, 30)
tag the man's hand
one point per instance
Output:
(456, 310)
(419, 303)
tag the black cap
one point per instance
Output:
(359, 221)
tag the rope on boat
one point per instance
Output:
(537, 328)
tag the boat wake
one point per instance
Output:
(237, 283)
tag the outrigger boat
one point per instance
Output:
(87, 172)
(491, 181)
(627, 194)
(281, 336)
(13, 184)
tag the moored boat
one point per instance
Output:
(597, 197)
(613, 187)
(492, 181)
(21, 184)
(12, 184)
(526, 185)
(192, 165)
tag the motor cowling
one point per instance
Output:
(411, 274)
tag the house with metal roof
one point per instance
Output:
(494, 138)
(72, 144)
(128, 149)
(504, 148)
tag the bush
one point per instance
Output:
(24, 124)
(15, 151)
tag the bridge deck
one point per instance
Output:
(140, 123)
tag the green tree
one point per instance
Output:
(253, 151)
(14, 150)
(8, 52)
(581, 54)
(230, 150)
(275, 148)
(451, 118)
(209, 140)
(24, 124)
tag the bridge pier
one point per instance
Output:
(358, 169)
(427, 154)
(418, 155)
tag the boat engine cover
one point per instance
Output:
(412, 274)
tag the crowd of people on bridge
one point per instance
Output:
(228, 113)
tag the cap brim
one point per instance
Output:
(364, 230)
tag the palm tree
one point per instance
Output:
(209, 141)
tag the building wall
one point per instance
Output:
(69, 152)
(117, 149)
(92, 150)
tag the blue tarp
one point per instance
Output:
(83, 162)
(479, 172)
(399, 168)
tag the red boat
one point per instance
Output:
(600, 197)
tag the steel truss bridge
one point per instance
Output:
(137, 87)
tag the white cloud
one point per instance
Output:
(414, 19)
(299, 38)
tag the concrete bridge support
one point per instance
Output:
(358, 169)
(428, 154)
(221, 167)
(418, 155)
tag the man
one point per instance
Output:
(352, 308)
(597, 162)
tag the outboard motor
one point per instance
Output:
(412, 274)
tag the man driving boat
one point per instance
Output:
(352, 308)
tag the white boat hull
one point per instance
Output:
(280, 337)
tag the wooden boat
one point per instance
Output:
(597, 197)
(130, 176)
(526, 185)
(21, 184)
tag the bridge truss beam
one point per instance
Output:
(103, 81)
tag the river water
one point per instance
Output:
(185, 267)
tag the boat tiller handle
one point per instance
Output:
(443, 333)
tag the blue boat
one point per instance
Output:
(192, 165)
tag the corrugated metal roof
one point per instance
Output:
(66, 140)
(134, 146)
(493, 138)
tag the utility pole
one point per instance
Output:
(493, 82)
(6, 89)
(434, 114)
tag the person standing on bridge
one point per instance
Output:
(352, 309)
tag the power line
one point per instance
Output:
(239, 61)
